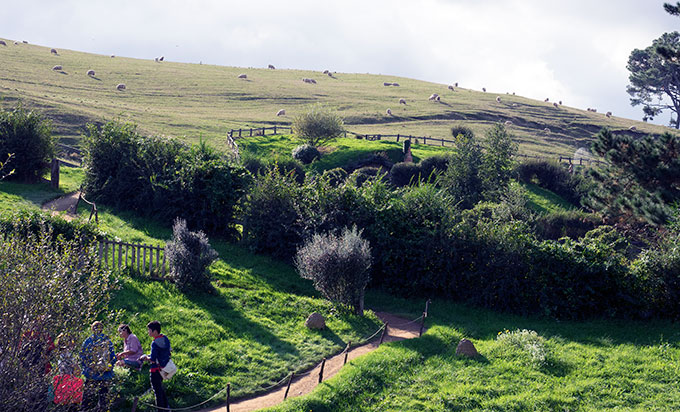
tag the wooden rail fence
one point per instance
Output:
(140, 257)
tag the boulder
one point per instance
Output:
(466, 348)
(315, 321)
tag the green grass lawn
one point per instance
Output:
(15, 195)
(589, 366)
(544, 201)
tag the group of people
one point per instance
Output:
(97, 359)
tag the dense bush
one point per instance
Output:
(289, 167)
(335, 176)
(463, 178)
(367, 174)
(553, 176)
(317, 126)
(27, 136)
(48, 287)
(253, 164)
(403, 174)
(658, 271)
(306, 153)
(460, 130)
(32, 222)
(189, 254)
(570, 223)
(162, 177)
(338, 265)
(432, 167)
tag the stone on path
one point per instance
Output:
(466, 348)
(315, 321)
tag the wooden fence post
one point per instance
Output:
(427, 306)
(139, 253)
(382, 335)
(323, 363)
(134, 404)
(290, 380)
(54, 176)
(239, 132)
(158, 257)
(397, 137)
(120, 254)
(349, 344)
(274, 129)
(163, 267)
(228, 395)
(422, 324)
(144, 260)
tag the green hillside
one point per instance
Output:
(204, 101)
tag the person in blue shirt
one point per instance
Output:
(159, 357)
(97, 358)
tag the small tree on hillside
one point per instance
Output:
(28, 136)
(318, 126)
(189, 254)
(462, 179)
(338, 265)
(498, 160)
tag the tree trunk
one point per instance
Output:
(359, 306)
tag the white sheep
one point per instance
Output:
(90, 72)
(57, 67)
(387, 84)
(121, 86)
(160, 59)
(242, 76)
(389, 112)
(498, 99)
(402, 101)
(281, 112)
(608, 114)
(451, 88)
(16, 42)
(515, 105)
(484, 89)
(2, 42)
(632, 128)
(53, 51)
(508, 123)
(433, 96)
(547, 130)
(271, 66)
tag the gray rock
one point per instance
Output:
(315, 321)
(466, 348)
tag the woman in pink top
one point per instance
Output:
(132, 349)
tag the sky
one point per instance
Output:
(570, 50)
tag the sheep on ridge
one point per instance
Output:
(24, 41)
(547, 130)
(325, 72)
(54, 51)
(57, 67)
(113, 55)
(451, 88)
(160, 59)
(271, 66)
(508, 123)
(281, 112)
(632, 128)
(2, 42)
(242, 76)
(402, 101)
(498, 99)
(433, 96)
(121, 86)
(155, 59)
(556, 105)
(16, 42)
(90, 72)
(608, 114)
(389, 112)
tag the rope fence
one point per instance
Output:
(382, 330)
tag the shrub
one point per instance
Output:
(657, 271)
(162, 177)
(335, 176)
(554, 177)
(380, 159)
(189, 254)
(317, 126)
(460, 130)
(27, 136)
(528, 342)
(403, 174)
(432, 167)
(365, 174)
(463, 177)
(338, 265)
(306, 153)
(289, 167)
(570, 223)
(253, 164)
(498, 161)
(49, 286)
(32, 222)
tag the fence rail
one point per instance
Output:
(119, 255)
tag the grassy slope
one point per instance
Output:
(591, 366)
(203, 101)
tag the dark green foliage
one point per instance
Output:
(253, 164)
(339, 266)
(335, 176)
(460, 130)
(27, 136)
(403, 174)
(642, 178)
(655, 77)
(290, 167)
(33, 222)
(569, 223)
(317, 126)
(432, 167)
(498, 161)
(374, 160)
(553, 176)
(367, 173)
(162, 177)
(189, 254)
(306, 153)
(463, 177)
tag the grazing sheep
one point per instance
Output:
(433, 96)
(121, 86)
(90, 72)
(498, 99)
(16, 42)
(160, 59)
(608, 114)
(484, 89)
(451, 88)
(632, 128)
(53, 51)
(271, 66)
(311, 81)
(281, 112)
(57, 67)
(395, 84)
(387, 84)
(402, 101)
(325, 72)
(515, 105)
(508, 123)
(556, 105)
(438, 98)
(547, 130)
(24, 41)
(593, 110)
(242, 76)
(389, 112)
(2, 42)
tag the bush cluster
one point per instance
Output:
(306, 153)
(162, 177)
(33, 222)
(555, 177)
(317, 126)
(189, 254)
(27, 136)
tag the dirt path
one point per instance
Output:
(65, 203)
(305, 384)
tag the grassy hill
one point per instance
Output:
(204, 101)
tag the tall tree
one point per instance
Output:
(655, 77)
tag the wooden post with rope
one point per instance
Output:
(228, 395)
(290, 380)
(323, 363)
(382, 335)
(347, 351)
